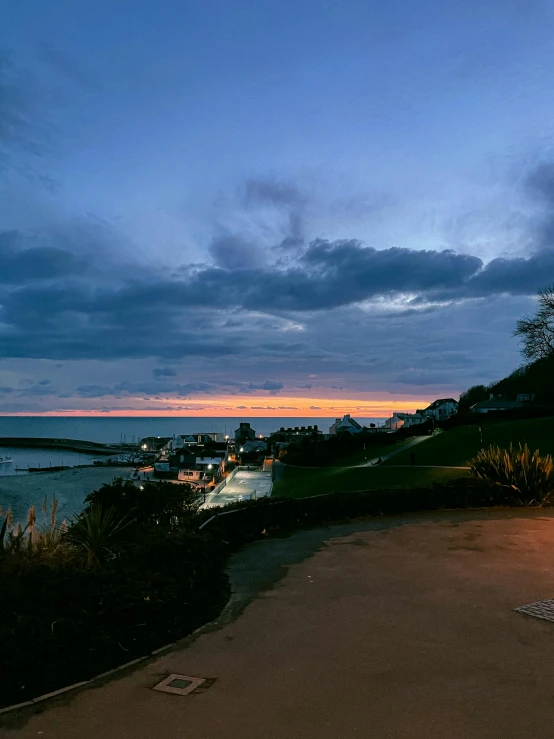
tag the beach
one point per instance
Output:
(70, 487)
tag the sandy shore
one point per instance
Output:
(69, 486)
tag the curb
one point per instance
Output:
(102, 675)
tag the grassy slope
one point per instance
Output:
(301, 483)
(365, 455)
(456, 447)
(453, 447)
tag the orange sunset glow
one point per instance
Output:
(247, 405)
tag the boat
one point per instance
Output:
(6, 460)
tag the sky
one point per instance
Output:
(259, 207)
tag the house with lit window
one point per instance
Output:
(412, 419)
(442, 409)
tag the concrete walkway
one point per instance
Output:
(399, 628)
(245, 485)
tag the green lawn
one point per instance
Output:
(459, 445)
(450, 448)
(303, 482)
(365, 455)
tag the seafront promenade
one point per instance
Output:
(398, 627)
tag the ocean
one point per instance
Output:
(71, 487)
(112, 429)
(129, 429)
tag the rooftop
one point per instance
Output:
(497, 404)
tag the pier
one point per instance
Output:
(74, 445)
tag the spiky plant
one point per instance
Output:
(96, 531)
(528, 475)
(31, 522)
(53, 512)
(3, 534)
(15, 538)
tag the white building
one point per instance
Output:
(395, 422)
(176, 443)
(495, 404)
(211, 465)
(254, 445)
(442, 408)
(412, 419)
(345, 425)
(197, 478)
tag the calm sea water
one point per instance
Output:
(107, 430)
(112, 429)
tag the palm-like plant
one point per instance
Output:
(96, 531)
(518, 470)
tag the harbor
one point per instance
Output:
(73, 445)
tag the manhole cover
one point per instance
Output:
(179, 684)
(541, 609)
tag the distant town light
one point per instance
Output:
(241, 449)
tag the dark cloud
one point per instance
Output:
(30, 390)
(233, 253)
(160, 372)
(160, 389)
(287, 201)
(276, 192)
(64, 317)
(20, 263)
(539, 182)
(270, 385)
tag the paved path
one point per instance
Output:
(428, 466)
(245, 484)
(389, 628)
(412, 442)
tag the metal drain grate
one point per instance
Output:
(179, 684)
(541, 609)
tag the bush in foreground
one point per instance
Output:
(124, 579)
(160, 577)
(527, 476)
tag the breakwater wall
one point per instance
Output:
(74, 445)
